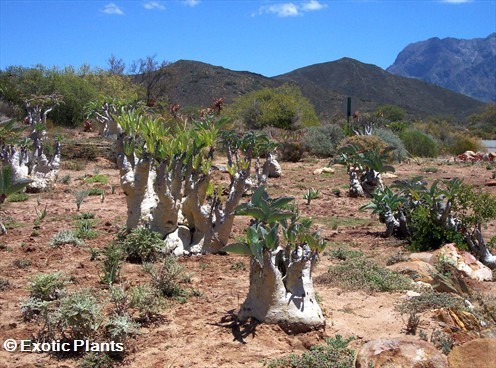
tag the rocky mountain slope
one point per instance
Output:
(466, 66)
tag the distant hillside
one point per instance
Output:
(372, 86)
(464, 66)
(192, 83)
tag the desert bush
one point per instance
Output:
(323, 140)
(80, 314)
(167, 276)
(84, 229)
(18, 197)
(428, 234)
(419, 144)
(459, 143)
(120, 327)
(46, 286)
(364, 143)
(358, 273)
(141, 245)
(146, 300)
(64, 237)
(96, 360)
(113, 256)
(428, 301)
(335, 353)
(97, 178)
(292, 151)
(392, 140)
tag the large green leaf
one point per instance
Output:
(238, 248)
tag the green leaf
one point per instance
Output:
(282, 201)
(238, 248)
(257, 195)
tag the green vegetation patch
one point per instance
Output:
(334, 354)
(359, 273)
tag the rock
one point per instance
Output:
(328, 170)
(416, 270)
(423, 256)
(477, 353)
(491, 183)
(453, 283)
(178, 242)
(400, 353)
(464, 262)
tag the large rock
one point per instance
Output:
(400, 353)
(416, 270)
(477, 353)
(464, 262)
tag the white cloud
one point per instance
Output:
(191, 3)
(313, 5)
(290, 9)
(456, 1)
(112, 9)
(152, 5)
(281, 10)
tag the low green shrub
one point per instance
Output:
(292, 151)
(18, 197)
(323, 140)
(141, 245)
(358, 273)
(64, 237)
(420, 144)
(167, 276)
(334, 354)
(393, 140)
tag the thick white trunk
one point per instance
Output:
(281, 292)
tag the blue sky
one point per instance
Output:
(266, 37)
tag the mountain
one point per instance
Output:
(326, 85)
(193, 83)
(461, 65)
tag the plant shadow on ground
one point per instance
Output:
(240, 330)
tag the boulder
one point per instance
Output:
(477, 353)
(422, 256)
(400, 353)
(416, 270)
(464, 262)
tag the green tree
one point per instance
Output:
(283, 107)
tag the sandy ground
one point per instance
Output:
(202, 332)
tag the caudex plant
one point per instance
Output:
(364, 168)
(447, 211)
(28, 157)
(166, 174)
(9, 184)
(283, 251)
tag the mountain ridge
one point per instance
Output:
(465, 66)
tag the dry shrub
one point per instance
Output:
(364, 142)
